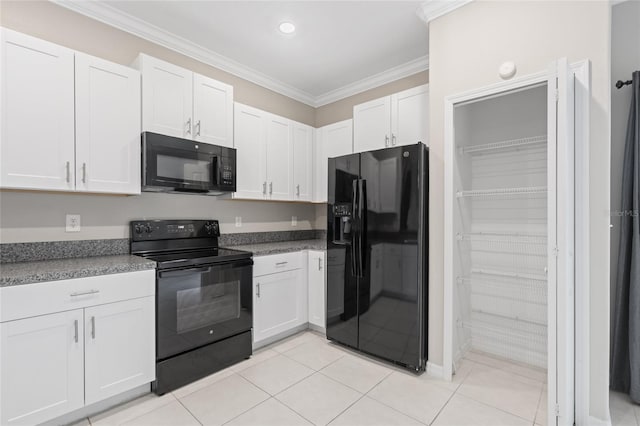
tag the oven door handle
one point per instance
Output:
(182, 272)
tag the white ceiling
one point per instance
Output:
(339, 47)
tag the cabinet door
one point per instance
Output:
(279, 158)
(249, 141)
(107, 126)
(41, 367)
(37, 114)
(278, 301)
(212, 111)
(317, 288)
(119, 347)
(167, 98)
(410, 116)
(372, 125)
(333, 140)
(302, 161)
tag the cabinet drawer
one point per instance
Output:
(30, 300)
(271, 264)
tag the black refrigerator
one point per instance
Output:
(377, 253)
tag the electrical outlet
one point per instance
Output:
(238, 221)
(294, 220)
(73, 223)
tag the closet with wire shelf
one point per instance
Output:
(500, 223)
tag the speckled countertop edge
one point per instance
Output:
(264, 249)
(19, 273)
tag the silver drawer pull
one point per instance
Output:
(319, 264)
(258, 289)
(75, 325)
(281, 263)
(93, 327)
(84, 293)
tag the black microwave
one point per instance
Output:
(171, 164)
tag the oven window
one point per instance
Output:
(183, 168)
(206, 306)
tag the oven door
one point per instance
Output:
(200, 305)
(179, 164)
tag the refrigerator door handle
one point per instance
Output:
(362, 225)
(354, 228)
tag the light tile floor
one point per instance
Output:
(307, 380)
(623, 411)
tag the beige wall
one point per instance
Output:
(51, 22)
(466, 48)
(343, 109)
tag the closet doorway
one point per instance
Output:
(511, 192)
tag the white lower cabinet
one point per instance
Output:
(42, 365)
(317, 288)
(279, 294)
(99, 343)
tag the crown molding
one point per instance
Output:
(392, 74)
(432, 9)
(103, 12)
(109, 15)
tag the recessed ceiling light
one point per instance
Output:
(287, 27)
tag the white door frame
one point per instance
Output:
(581, 224)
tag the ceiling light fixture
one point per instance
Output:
(287, 27)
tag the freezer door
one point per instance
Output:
(342, 267)
(392, 290)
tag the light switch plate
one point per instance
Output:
(294, 220)
(238, 221)
(73, 223)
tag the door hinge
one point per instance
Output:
(555, 251)
(557, 410)
(557, 95)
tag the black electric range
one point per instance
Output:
(203, 299)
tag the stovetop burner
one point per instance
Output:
(180, 243)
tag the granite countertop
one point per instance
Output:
(62, 269)
(264, 249)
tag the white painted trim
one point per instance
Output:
(582, 72)
(434, 370)
(103, 12)
(432, 9)
(392, 74)
(594, 421)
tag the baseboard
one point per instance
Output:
(280, 336)
(317, 328)
(594, 421)
(435, 370)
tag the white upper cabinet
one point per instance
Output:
(265, 151)
(399, 119)
(180, 103)
(64, 132)
(212, 111)
(251, 161)
(107, 126)
(332, 140)
(37, 145)
(410, 116)
(303, 137)
(279, 157)
(372, 125)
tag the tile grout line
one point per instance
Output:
(535, 417)
(188, 411)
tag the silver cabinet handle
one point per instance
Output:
(198, 128)
(68, 172)
(93, 327)
(281, 263)
(264, 188)
(298, 190)
(258, 289)
(270, 188)
(75, 325)
(393, 139)
(386, 140)
(319, 264)
(189, 126)
(84, 293)
(84, 172)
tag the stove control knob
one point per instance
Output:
(138, 229)
(208, 227)
(148, 229)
